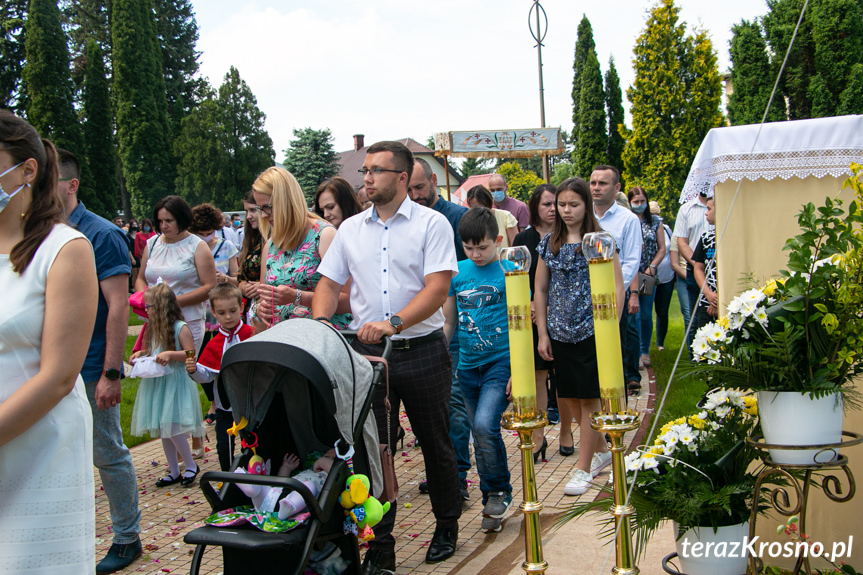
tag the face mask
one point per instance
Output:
(639, 209)
(4, 197)
(498, 195)
(237, 223)
(146, 228)
(209, 238)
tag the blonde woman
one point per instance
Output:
(298, 239)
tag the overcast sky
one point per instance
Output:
(400, 68)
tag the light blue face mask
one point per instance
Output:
(4, 197)
(639, 209)
(498, 195)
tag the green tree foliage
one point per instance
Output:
(50, 106)
(829, 43)
(12, 53)
(100, 192)
(520, 182)
(139, 93)
(616, 117)
(675, 101)
(86, 20)
(592, 144)
(561, 172)
(472, 166)
(223, 146)
(584, 44)
(851, 99)
(178, 33)
(752, 77)
(311, 158)
(823, 104)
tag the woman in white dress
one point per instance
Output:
(182, 260)
(49, 294)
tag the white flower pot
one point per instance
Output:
(792, 418)
(702, 552)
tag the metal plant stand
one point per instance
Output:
(799, 479)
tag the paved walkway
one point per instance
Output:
(167, 514)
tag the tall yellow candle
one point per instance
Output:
(599, 250)
(515, 263)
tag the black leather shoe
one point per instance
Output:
(379, 562)
(442, 544)
(119, 557)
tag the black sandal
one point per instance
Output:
(186, 481)
(167, 480)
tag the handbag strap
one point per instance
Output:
(387, 404)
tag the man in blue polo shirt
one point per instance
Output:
(424, 191)
(103, 368)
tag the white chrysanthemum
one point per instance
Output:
(713, 356)
(669, 449)
(734, 305)
(693, 447)
(713, 425)
(687, 438)
(669, 438)
(700, 348)
(761, 316)
(633, 461)
(723, 410)
(715, 333)
(650, 463)
(736, 398)
(702, 415)
(753, 296)
(735, 320)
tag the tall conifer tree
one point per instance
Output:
(752, 77)
(590, 149)
(12, 53)
(178, 33)
(675, 101)
(583, 45)
(139, 93)
(100, 193)
(616, 116)
(48, 82)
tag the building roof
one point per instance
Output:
(352, 160)
(459, 195)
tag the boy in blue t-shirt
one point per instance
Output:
(476, 306)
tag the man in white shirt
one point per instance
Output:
(626, 229)
(690, 225)
(400, 257)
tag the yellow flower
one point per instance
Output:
(723, 322)
(696, 422)
(771, 286)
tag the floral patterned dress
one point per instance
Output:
(299, 269)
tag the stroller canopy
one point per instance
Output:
(314, 367)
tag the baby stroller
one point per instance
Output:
(301, 388)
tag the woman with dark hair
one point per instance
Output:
(249, 274)
(49, 286)
(564, 320)
(541, 206)
(652, 253)
(480, 196)
(206, 219)
(180, 259)
(335, 201)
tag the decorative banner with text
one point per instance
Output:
(500, 143)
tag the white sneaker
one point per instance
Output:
(598, 462)
(578, 484)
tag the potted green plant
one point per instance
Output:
(698, 474)
(798, 341)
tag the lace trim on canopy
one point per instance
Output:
(768, 166)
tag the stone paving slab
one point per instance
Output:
(169, 513)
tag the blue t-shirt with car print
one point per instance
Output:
(480, 295)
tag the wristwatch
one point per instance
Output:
(112, 374)
(396, 322)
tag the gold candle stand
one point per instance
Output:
(527, 419)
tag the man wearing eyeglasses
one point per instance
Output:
(398, 288)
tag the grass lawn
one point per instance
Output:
(684, 394)
(130, 390)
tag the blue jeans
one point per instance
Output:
(459, 426)
(484, 392)
(114, 461)
(645, 310)
(629, 342)
(693, 291)
(683, 298)
(661, 303)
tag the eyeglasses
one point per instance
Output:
(377, 171)
(266, 209)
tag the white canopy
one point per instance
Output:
(802, 148)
